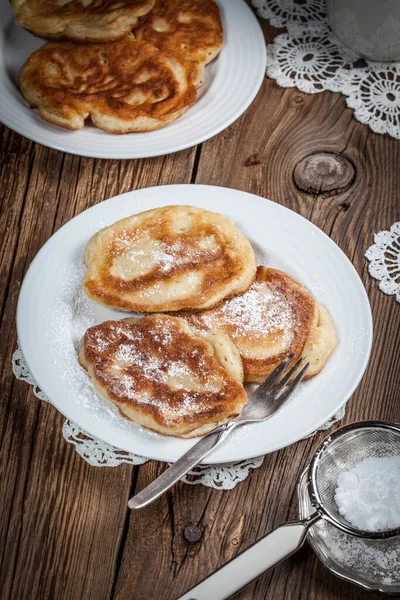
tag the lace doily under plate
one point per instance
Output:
(384, 257)
(100, 454)
(311, 58)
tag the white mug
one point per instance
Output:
(371, 28)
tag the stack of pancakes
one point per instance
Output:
(228, 321)
(128, 65)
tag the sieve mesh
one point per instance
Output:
(340, 452)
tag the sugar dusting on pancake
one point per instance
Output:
(137, 255)
(168, 259)
(259, 312)
(161, 374)
(267, 323)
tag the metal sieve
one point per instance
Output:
(339, 452)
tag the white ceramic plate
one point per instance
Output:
(53, 314)
(231, 83)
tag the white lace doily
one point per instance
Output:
(100, 454)
(384, 257)
(311, 58)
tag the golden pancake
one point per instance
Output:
(161, 374)
(320, 343)
(168, 259)
(123, 87)
(80, 20)
(267, 323)
(188, 29)
(225, 352)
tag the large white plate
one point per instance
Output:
(53, 314)
(231, 83)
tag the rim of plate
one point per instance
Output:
(182, 194)
(238, 78)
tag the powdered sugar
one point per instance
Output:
(190, 404)
(140, 371)
(368, 495)
(178, 253)
(259, 312)
(377, 561)
(139, 256)
(74, 314)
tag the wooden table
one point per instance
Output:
(65, 530)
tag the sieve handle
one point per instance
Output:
(248, 565)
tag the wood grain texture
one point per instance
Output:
(65, 532)
(324, 174)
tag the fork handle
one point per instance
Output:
(183, 465)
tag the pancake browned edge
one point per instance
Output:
(273, 319)
(168, 259)
(189, 29)
(320, 343)
(78, 21)
(123, 87)
(162, 375)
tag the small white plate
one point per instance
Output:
(231, 83)
(53, 314)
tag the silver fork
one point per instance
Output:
(261, 405)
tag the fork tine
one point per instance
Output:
(292, 386)
(266, 400)
(286, 378)
(272, 377)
